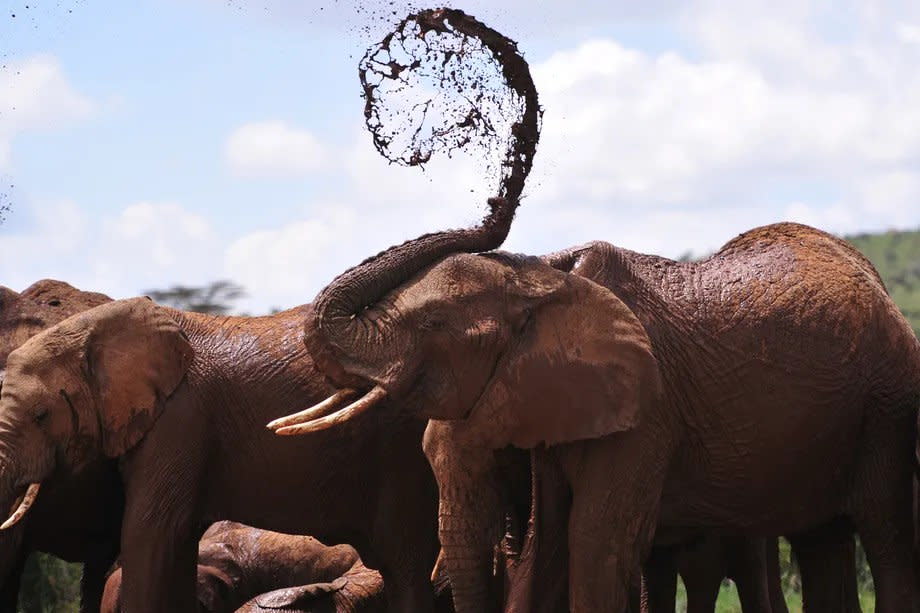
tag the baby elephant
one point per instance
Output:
(247, 569)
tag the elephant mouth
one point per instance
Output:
(21, 506)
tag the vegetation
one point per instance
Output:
(216, 298)
(896, 255)
(52, 586)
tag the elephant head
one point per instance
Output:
(40, 306)
(22, 315)
(85, 389)
(507, 349)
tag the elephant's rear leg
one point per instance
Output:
(827, 562)
(881, 507)
(750, 568)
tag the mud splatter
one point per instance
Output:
(5, 201)
(442, 81)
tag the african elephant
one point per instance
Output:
(766, 389)
(65, 521)
(258, 570)
(180, 400)
(751, 562)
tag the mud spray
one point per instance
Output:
(442, 81)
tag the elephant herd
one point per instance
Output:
(489, 431)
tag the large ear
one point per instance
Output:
(298, 597)
(136, 355)
(581, 367)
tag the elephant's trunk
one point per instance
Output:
(364, 591)
(468, 538)
(339, 338)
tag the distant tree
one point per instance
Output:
(216, 298)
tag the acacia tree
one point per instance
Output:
(216, 298)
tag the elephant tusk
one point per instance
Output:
(318, 410)
(436, 570)
(23, 507)
(341, 416)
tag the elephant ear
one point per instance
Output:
(136, 355)
(582, 366)
(300, 596)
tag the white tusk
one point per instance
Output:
(341, 416)
(436, 571)
(23, 506)
(318, 410)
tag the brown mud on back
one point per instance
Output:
(442, 81)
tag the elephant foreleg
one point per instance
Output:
(827, 561)
(660, 572)
(616, 482)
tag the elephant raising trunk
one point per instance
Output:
(346, 323)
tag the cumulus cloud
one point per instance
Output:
(143, 245)
(35, 94)
(273, 149)
(763, 112)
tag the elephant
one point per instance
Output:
(64, 522)
(244, 568)
(751, 562)
(178, 401)
(765, 390)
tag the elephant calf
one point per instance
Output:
(246, 569)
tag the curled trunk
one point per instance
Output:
(340, 338)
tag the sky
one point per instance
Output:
(163, 142)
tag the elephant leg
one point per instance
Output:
(660, 571)
(827, 562)
(881, 510)
(747, 566)
(404, 537)
(95, 569)
(158, 568)
(9, 593)
(702, 567)
(774, 578)
(616, 482)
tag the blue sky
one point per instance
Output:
(160, 142)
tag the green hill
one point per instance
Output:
(896, 255)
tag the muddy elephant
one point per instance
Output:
(180, 401)
(767, 389)
(244, 568)
(64, 521)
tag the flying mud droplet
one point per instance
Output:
(442, 81)
(5, 202)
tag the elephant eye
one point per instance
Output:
(54, 303)
(41, 416)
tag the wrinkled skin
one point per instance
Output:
(65, 521)
(180, 400)
(258, 570)
(790, 386)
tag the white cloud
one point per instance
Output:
(766, 111)
(282, 267)
(273, 149)
(144, 245)
(35, 94)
